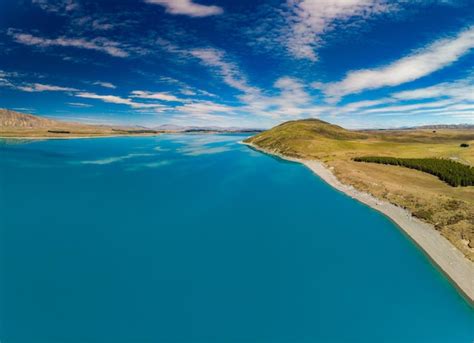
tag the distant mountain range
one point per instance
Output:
(447, 126)
(177, 128)
(16, 124)
(430, 127)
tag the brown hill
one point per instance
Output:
(12, 119)
(22, 125)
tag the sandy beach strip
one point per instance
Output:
(458, 269)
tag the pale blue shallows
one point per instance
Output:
(200, 239)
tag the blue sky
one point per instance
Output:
(247, 63)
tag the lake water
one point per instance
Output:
(197, 238)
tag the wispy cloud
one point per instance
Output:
(105, 84)
(5, 79)
(460, 90)
(184, 88)
(187, 7)
(291, 100)
(408, 108)
(357, 105)
(203, 108)
(97, 44)
(79, 104)
(39, 87)
(117, 100)
(227, 70)
(435, 56)
(310, 19)
(447, 98)
(164, 96)
(57, 6)
(292, 92)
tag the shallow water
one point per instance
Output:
(200, 239)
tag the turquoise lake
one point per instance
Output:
(197, 238)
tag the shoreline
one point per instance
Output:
(119, 135)
(42, 138)
(447, 258)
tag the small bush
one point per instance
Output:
(424, 214)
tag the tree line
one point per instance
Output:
(451, 172)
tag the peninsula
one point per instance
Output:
(436, 215)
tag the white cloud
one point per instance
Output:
(309, 19)
(105, 84)
(155, 96)
(458, 108)
(188, 92)
(204, 107)
(57, 6)
(187, 7)
(4, 82)
(291, 102)
(227, 70)
(98, 44)
(420, 63)
(460, 90)
(39, 87)
(117, 100)
(410, 107)
(292, 92)
(354, 106)
(79, 104)
(101, 25)
(203, 112)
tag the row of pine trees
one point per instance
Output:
(451, 172)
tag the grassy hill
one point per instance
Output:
(449, 209)
(314, 138)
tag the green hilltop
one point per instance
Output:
(293, 138)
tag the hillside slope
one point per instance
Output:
(449, 209)
(22, 125)
(294, 138)
(12, 119)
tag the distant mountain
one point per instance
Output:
(430, 127)
(446, 126)
(16, 124)
(170, 127)
(177, 128)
